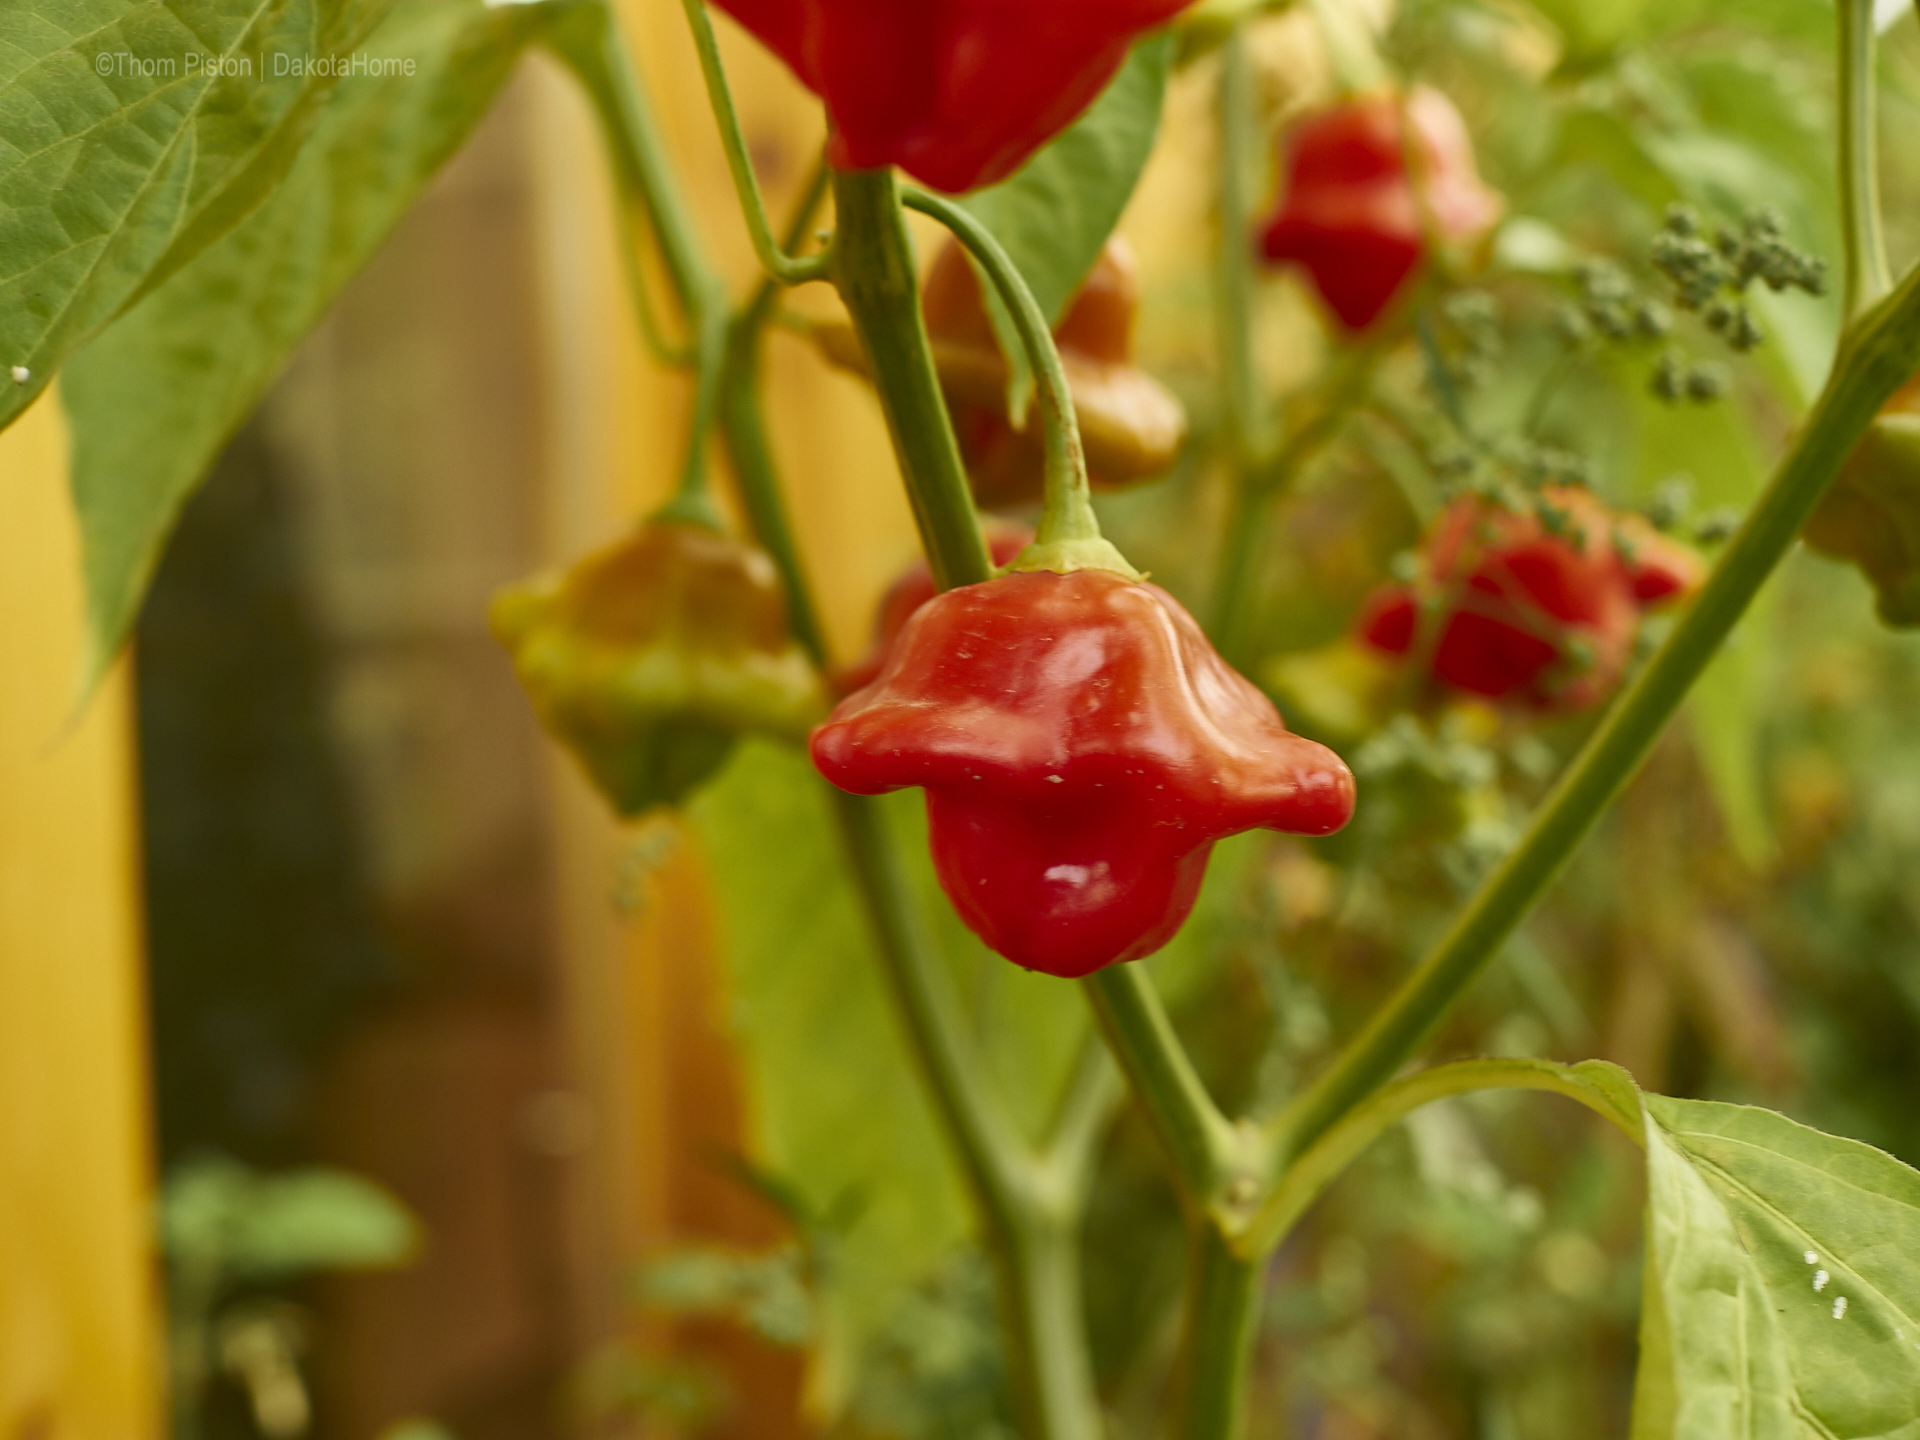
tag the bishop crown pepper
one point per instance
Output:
(1005, 540)
(1353, 216)
(1510, 610)
(1082, 747)
(1130, 424)
(958, 93)
(1871, 514)
(650, 658)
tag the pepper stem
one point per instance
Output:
(591, 45)
(1069, 535)
(1868, 275)
(874, 272)
(1878, 353)
(787, 269)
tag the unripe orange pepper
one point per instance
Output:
(1130, 424)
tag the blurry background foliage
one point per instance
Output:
(1743, 927)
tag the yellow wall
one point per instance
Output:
(78, 1351)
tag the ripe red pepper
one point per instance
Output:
(1517, 613)
(915, 588)
(1349, 214)
(1130, 424)
(958, 93)
(1082, 746)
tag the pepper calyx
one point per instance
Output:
(1063, 557)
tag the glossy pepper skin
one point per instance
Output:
(1871, 515)
(1516, 613)
(1082, 747)
(651, 657)
(1130, 424)
(1005, 540)
(1349, 215)
(958, 93)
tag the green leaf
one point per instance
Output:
(837, 1106)
(1783, 1281)
(1054, 216)
(132, 135)
(223, 1217)
(153, 400)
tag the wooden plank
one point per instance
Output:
(78, 1333)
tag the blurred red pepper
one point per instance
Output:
(1082, 746)
(1351, 216)
(1511, 611)
(649, 658)
(958, 93)
(1871, 514)
(915, 588)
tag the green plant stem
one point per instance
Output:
(1256, 488)
(1030, 1211)
(1198, 1139)
(743, 427)
(1877, 355)
(1313, 1171)
(774, 259)
(591, 44)
(1868, 275)
(1223, 1308)
(1069, 532)
(1245, 415)
(874, 272)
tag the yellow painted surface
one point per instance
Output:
(78, 1345)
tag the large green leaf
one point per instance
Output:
(156, 396)
(1056, 213)
(1781, 1297)
(132, 135)
(836, 1107)
(1783, 1281)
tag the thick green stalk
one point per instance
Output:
(1877, 355)
(874, 272)
(1222, 1320)
(1198, 1139)
(1868, 276)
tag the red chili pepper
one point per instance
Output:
(1082, 747)
(958, 93)
(1518, 613)
(915, 588)
(1349, 214)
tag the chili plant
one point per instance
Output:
(1085, 747)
